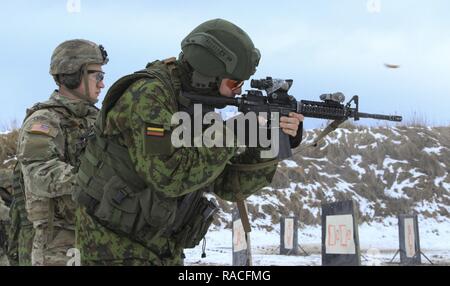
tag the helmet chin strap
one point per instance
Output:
(86, 86)
(85, 95)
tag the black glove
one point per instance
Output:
(295, 141)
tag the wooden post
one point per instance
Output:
(241, 241)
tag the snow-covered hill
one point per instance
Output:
(386, 170)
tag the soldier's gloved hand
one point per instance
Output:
(290, 124)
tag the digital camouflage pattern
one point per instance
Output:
(20, 236)
(5, 201)
(49, 146)
(4, 223)
(6, 180)
(20, 232)
(69, 56)
(170, 172)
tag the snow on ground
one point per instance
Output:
(290, 163)
(394, 130)
(415, 173)
(396, 190)
(328, 175)
(395, 193)
(388, 162)
(431, 207)
(378, 241)
(434, 150)
(331, 138)
(371, 146)
(378, 136)
(440, 180)
(316, 159)
(354, 162)
(380, 173)
(365, 206)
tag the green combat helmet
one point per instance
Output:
(70, 59)
(6, 181)
(219, 49)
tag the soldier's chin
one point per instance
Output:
(93, 100)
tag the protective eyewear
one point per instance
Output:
(234, 84)
(100, 75)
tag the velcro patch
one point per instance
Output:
(155, 131)
(40, 128)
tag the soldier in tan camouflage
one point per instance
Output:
(50, 143)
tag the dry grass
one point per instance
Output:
(8, 144)
(417, 119)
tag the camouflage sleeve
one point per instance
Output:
(4, 225)
(13, 235)
(247, 182)
(40, 153)
(236, 183)
(143, 115)
(4, 211)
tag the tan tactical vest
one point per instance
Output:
(18, 213)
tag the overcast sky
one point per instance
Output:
(324, 46)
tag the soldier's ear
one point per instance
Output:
(71, 81)
(56, 79)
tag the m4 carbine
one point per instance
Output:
(330, 107)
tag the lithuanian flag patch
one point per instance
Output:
(155, 131)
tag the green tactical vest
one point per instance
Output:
(21, 232)
(116, 196)
(19, 251)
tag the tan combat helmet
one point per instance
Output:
(69, 61)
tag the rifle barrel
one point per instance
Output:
(380, 116)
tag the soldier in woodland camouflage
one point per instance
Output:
(5, 202)
(50, 142)
(21, 232)
(142, 200)
(6, 185)
(4, 223)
